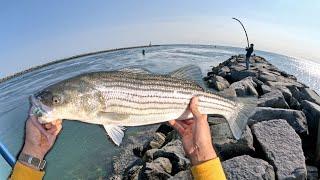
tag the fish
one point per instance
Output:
(135, 97)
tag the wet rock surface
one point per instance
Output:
(279, 141)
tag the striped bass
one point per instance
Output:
(134, 97)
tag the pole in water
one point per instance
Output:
(11, 160)
(243, 29)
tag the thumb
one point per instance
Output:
(194, 108)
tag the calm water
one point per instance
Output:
(83, 151)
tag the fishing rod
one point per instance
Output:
(11, 160)
(243, 29)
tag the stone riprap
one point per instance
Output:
(278, 143)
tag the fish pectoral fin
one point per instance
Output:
(113, 116)
(115, 132)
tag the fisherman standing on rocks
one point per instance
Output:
(248, 55)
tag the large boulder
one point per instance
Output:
(134, 171)
(266, 89)
(218, 82)
(302, 93)
(174, 152)
(245, 87)
(266, 76)
(156, 141)
(295, 118)
(282, 148)
(228, 147)
(245, 167)
(273, 99)
(160, 168)
(312, 112)
(312, 173)
(223, 71)
(310, 95)
(239, 74)
(182, 175)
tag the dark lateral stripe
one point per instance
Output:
(228, 103)
(159, 108)
(214, 105)
(151, 83)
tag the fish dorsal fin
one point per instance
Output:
(115, 132)
(189, 72)
(136, 70)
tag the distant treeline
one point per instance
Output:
(69, 58)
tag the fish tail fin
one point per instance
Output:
(239, 118)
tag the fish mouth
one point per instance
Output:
(39, 109)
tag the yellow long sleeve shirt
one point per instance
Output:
(211, 169)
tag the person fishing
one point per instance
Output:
(195, 133)
(248, 55)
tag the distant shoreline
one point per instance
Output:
(69, 58)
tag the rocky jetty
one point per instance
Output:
(281, 140)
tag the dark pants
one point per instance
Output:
(247, 62)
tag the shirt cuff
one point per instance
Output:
(211, 169)
(21, 171)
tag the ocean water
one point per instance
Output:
(83, 151)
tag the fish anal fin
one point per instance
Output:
(115, 133)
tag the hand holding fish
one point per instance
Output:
(39, 138)
(195, 135)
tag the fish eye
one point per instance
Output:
(56, 99)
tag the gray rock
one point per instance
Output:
(229, 92)
(183, 175)
(312, 173)
(218, 82)
(239, 74)
(155, 171)
(226, 146)
(164, 129)
(245, 87)
(266, 76)
(223, 71)
(174, 152)
(295, 118)
(266, 89)
(312, 112)
(286, 93)
(286, 84)
(245, 167)
(134, 171)
(310, 95)
(282, 148)
(273, 99)
(157, 140)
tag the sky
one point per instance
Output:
(36, 32)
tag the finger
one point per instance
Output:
(35, 122)
(52, 130)
(177, 126)
(194, 108)
(48, 126)
(58, 130)
(188, 121)
(56, 122)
